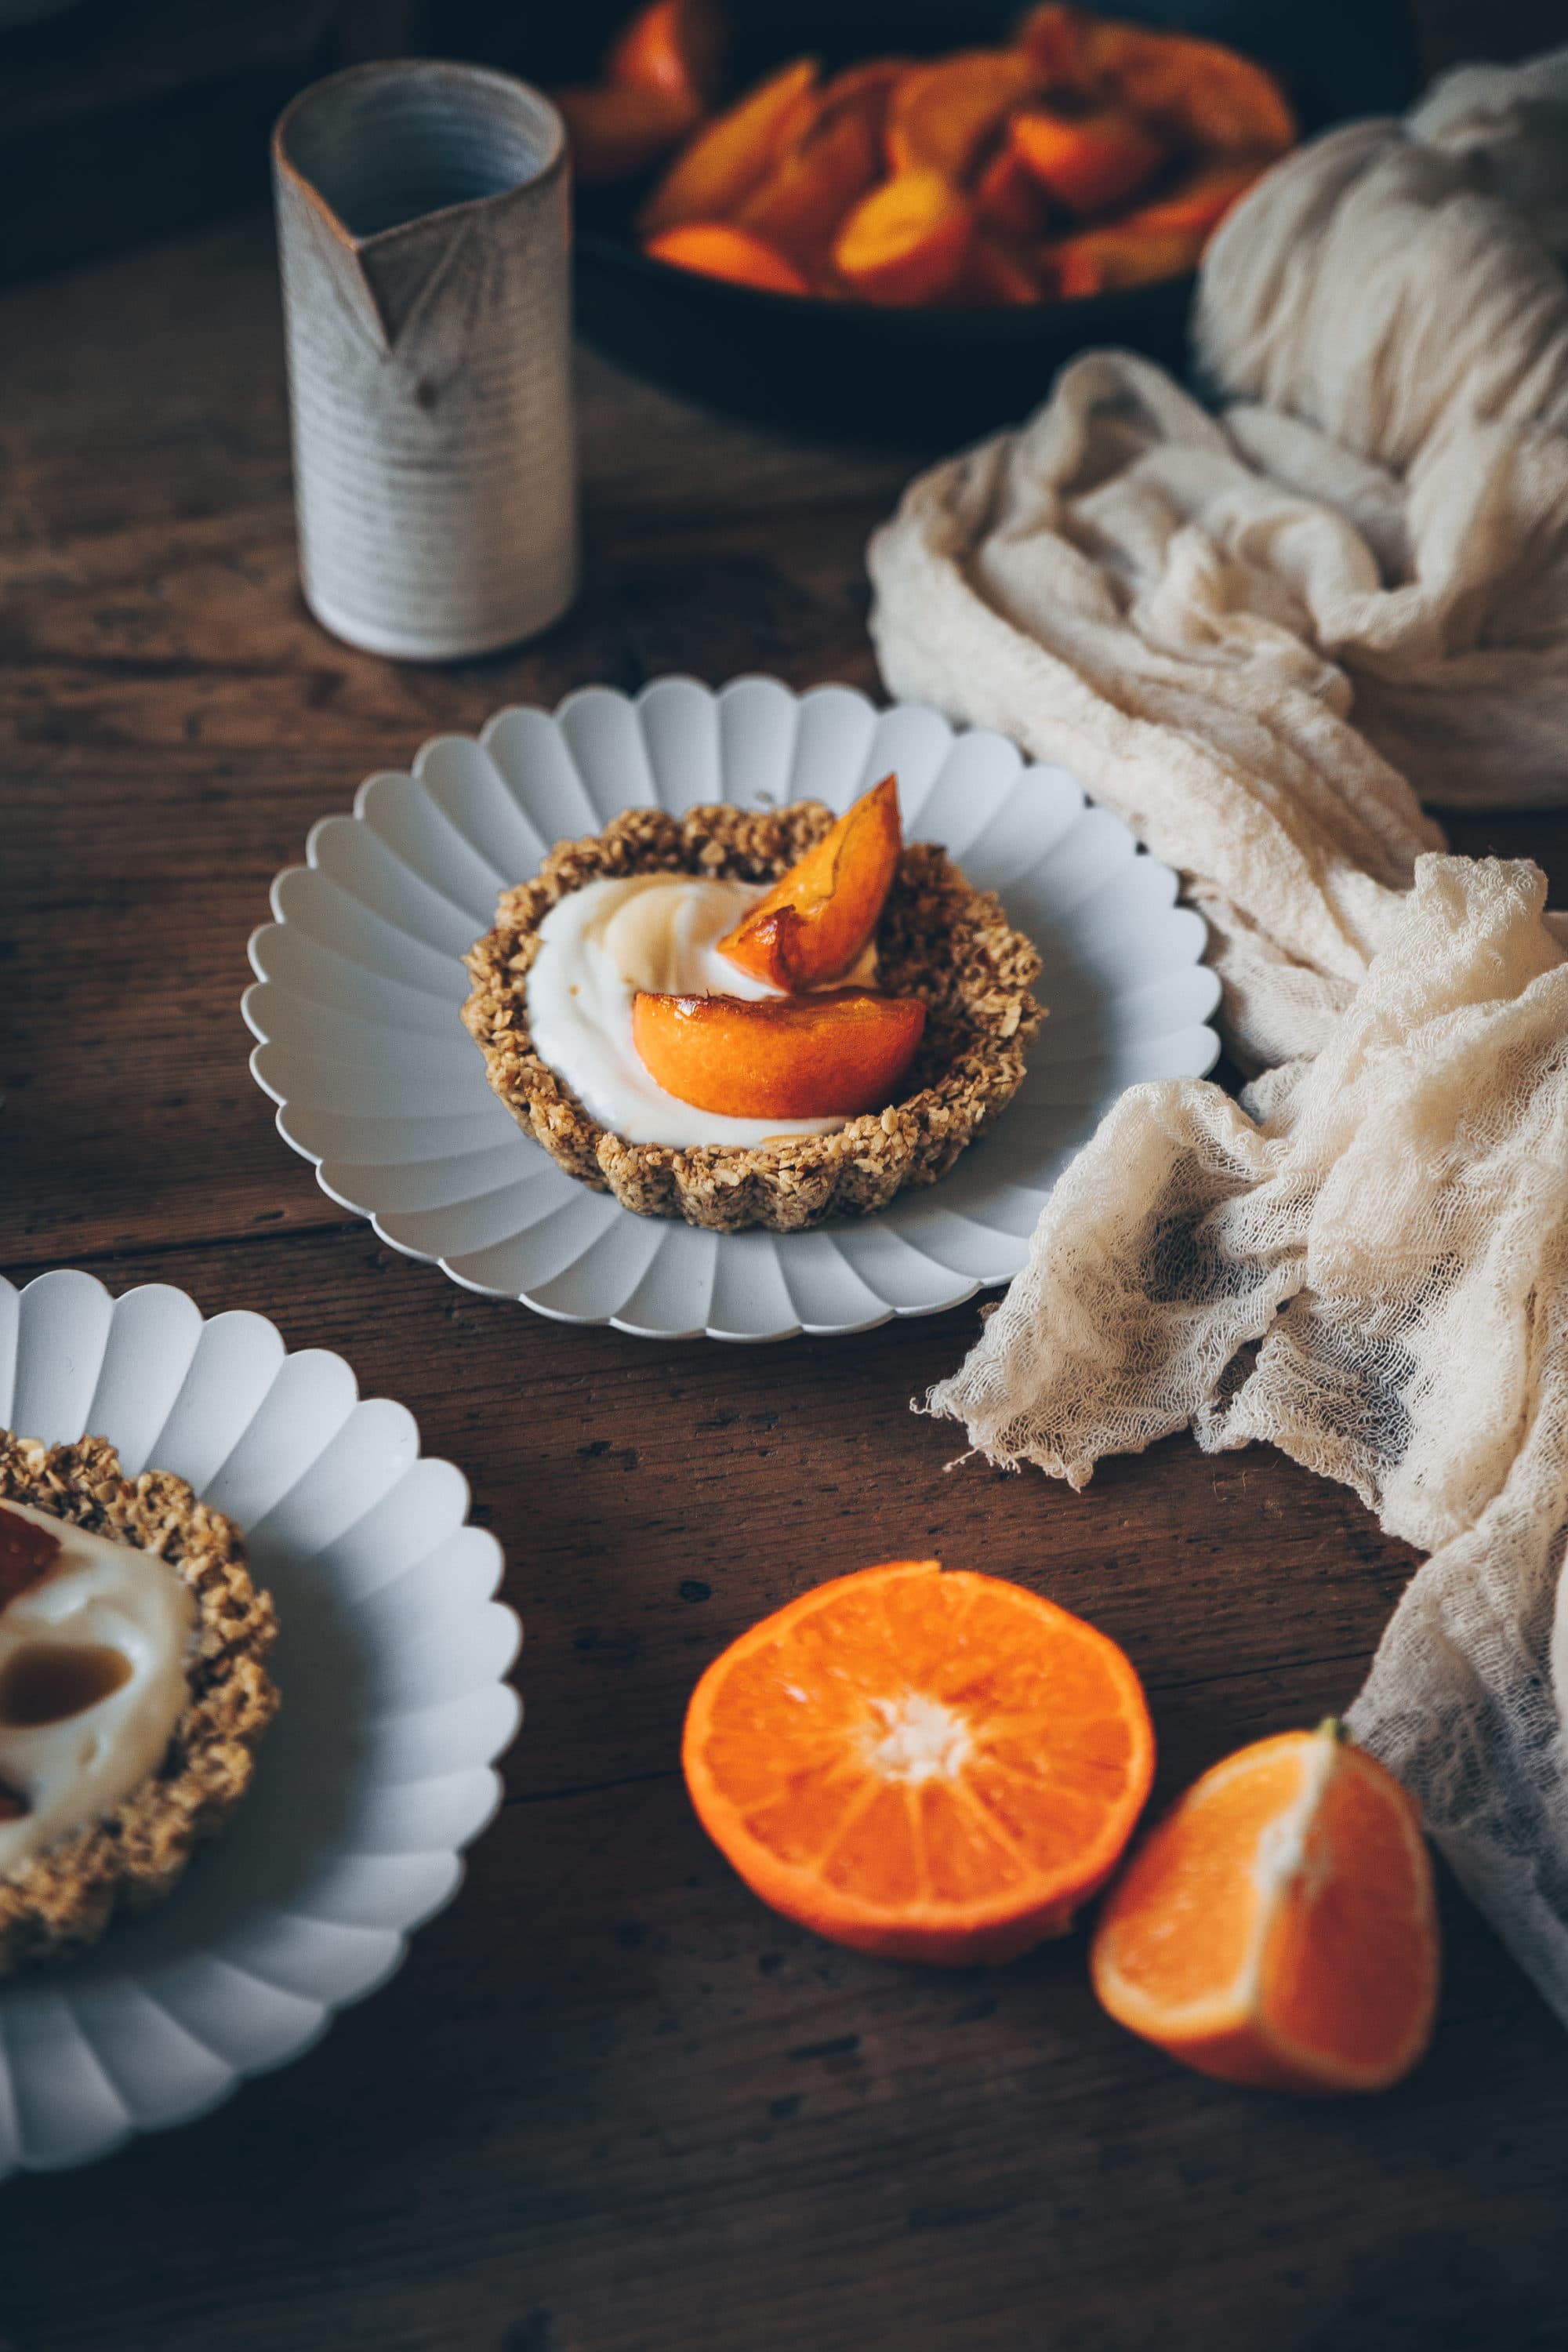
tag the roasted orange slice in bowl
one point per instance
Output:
(922, 1764)
(1279, 1927)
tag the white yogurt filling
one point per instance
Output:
(97, 1596)
(597, 947)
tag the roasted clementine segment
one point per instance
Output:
(618, 128)
(1061, 40)
(1197, 91)
(799, 204)
(1278, 1927)
(675, 47)
(714, 249)
(831, 1055)
(940, 116)
(817, 919)
(927, 1765)
(1009, 200)
(1110, 260)
(733, 153)
(905, 242)
(1088, 162)
(996, 275)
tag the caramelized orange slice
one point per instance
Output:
(1009, 200)
(798, 207)
(1280, 1926)
(940, 116)
(814, 922)
(831, 1055)
(995, 276)
(714, 249)
(925, 1765)
(905, 242)
(1061, 40)
(1108, 261)
(1197, 91)
(674, 47)
(730, 156)
(1088, 162)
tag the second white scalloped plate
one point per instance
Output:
(360, 986)
(390, 1662)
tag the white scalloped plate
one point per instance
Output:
(374, 1776)
(376, 1081)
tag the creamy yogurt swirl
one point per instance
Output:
(101, 1602)
(600, 944)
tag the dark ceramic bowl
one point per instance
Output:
(853, 369)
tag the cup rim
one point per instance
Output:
(394, 70)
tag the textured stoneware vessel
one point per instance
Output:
(425, 237)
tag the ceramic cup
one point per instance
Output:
(425, 239)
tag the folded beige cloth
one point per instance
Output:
(1263, 637)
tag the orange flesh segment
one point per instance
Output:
(1336, 1982)
(798, 207)
(928, 1765)
(1088, 162)
(1278, 1927)
(830, 1055)
(714, 249)
(940, 116)
(993, 274)
(673, 46)
(1108, 261)
(814, 922)
(1198, 92)
(905, 243)
(719, 167)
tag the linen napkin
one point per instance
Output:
(1265, 637)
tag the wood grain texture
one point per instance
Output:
(611, 2104)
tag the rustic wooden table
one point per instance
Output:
(611, 2104)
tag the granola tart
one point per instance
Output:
(939, 938)
(60, 1900)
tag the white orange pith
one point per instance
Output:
(1280, 1926)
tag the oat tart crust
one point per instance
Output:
(939, 938)
(61, 1902)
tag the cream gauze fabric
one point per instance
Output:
(1265, 637)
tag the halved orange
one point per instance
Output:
(1280, 1926)
(927, 1765)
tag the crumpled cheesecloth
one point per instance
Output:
(1265, 637)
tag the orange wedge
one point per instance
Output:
(814, 922)
(730, 156)
(905, 243)
(675, 47)
(941, 116)
(923, 1764)
(1279, 1927)
(714, 249)
(1088, 162)
(831, 1055)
